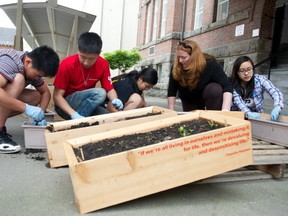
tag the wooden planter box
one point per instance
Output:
(270, 131)
(117, 178)
(62, 131)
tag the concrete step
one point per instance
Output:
(284, 69)
(281, 66)
(279, 78)
(283, 60)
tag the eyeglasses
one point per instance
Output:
(185, 45)
(243, 71)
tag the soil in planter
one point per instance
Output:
(124, 143)
(80, 125)
(88, 124)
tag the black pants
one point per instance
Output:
(212, 98)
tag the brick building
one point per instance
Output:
(223, 28)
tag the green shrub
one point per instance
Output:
(122, 59)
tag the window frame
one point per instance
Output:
(220, 9)
(198, 18)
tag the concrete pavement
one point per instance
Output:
(28, 188)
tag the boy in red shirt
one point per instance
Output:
(75, 95)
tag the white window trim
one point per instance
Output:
(198, 14)
(163, 18)
(155, 19)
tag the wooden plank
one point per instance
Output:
(257, 141)
(268, 147)
(276, 170)
(233, 114)
(240, 175)
(270, 159)
(267, 117)
(271, 152)
(265, 153)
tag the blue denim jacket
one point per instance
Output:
(262, 84)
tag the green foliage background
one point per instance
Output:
(122, 59)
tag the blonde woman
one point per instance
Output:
(198, 80)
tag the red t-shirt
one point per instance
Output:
(70, 74)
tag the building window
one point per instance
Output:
(148, 19)
(222, 9)
(152, 50)
(198, 14)
(163, 18)
(155, 19)
(159, 72)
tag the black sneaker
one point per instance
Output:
(7, 145)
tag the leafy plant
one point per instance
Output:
(212, 124)
(184, 131)
(122, 59)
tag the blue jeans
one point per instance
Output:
(86, 103)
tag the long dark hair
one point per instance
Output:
(235, 79)
(148, 75)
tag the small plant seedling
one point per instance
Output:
(183, 131)
(212, 124)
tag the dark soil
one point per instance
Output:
(124, 143)
(36, 154)
(80, 125)
(142, 116)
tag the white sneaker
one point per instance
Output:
(7, 145)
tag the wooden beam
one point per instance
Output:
(51, 21)
(243, 174)
(276, 170)
(18, 44)
(28, 25)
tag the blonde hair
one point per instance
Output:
(190, 76)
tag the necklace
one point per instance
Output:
(85, 81)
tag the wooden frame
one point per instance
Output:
(124, 176)
(107, 122)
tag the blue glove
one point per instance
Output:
(117, 104)
(275, 113)
(253, 115)
(34, 112)
(40, 123)
(76, 115)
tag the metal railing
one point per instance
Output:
(264, 61)
(272, 57)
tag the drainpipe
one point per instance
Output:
(122, 24)
(101, 21)
(183, 20)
